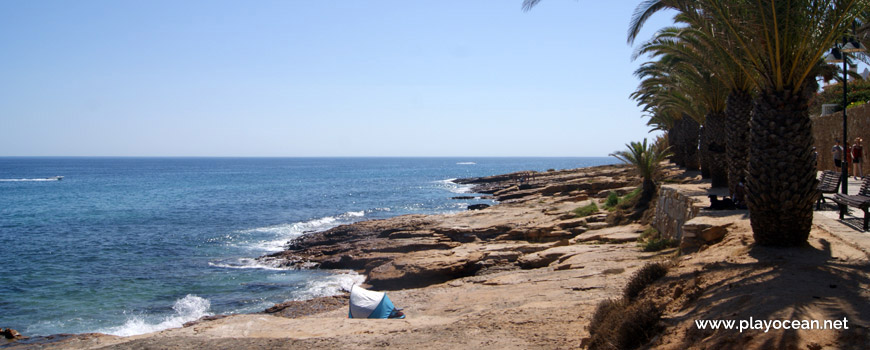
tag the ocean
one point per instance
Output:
(127, 246)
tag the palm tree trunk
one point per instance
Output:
(781, 177)
(717, 129)
(676, 157)
(738, 110)
(703, 154)
(674, 140)
(691, 132)
(716, 135)
(647, 193)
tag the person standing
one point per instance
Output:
(857, 158)
(847, 157)
(837, 153)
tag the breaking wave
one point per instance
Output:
(330, 285)
(279, 235)
(451, 186)
(189, 308)
(249, 263)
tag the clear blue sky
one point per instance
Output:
(317, 78)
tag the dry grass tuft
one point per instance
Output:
(628, 323)
(642, 278)
(617, 324)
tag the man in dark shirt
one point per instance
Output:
(837, 152)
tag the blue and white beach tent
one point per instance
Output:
(370, 304)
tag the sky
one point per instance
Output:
(321, 78)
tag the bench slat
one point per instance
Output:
(830, 182)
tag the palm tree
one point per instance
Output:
(646, 158)
(694, 44)
(690, 131)
(661, 95)
(680, 66)
(666, 123)
(777, 44)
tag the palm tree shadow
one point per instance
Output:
(784, 283)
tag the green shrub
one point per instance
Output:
(612, 200)
(647, 274)
(856, 104)
(859, 90)
(651, 240)
(656, 244)
(649, 233)
(629, 199)
(586, 210)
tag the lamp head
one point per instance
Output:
(854, 46)
(835, 56)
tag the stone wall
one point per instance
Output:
(828, 128)
(673, 209)
(681, 215)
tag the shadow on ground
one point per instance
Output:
(807, 283)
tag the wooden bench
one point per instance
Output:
(861, 200)
(828, 183)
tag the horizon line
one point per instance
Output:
(138, 156)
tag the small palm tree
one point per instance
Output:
(647, 159)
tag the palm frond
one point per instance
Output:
(529, 4)
(646, 158)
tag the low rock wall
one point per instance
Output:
(673, 209)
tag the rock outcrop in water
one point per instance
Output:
(10, 333)
(419, 250)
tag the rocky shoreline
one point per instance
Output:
(531, 220)
(414, 251)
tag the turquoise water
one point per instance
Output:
(132, 245)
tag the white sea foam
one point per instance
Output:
(286, 232)
(451, 186)
(250, 263)
(189, 308)
(330, 285)
(466, 163)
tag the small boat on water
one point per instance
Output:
(53, 178)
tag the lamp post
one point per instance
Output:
(838, 54)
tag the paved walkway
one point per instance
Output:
(850, 229)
